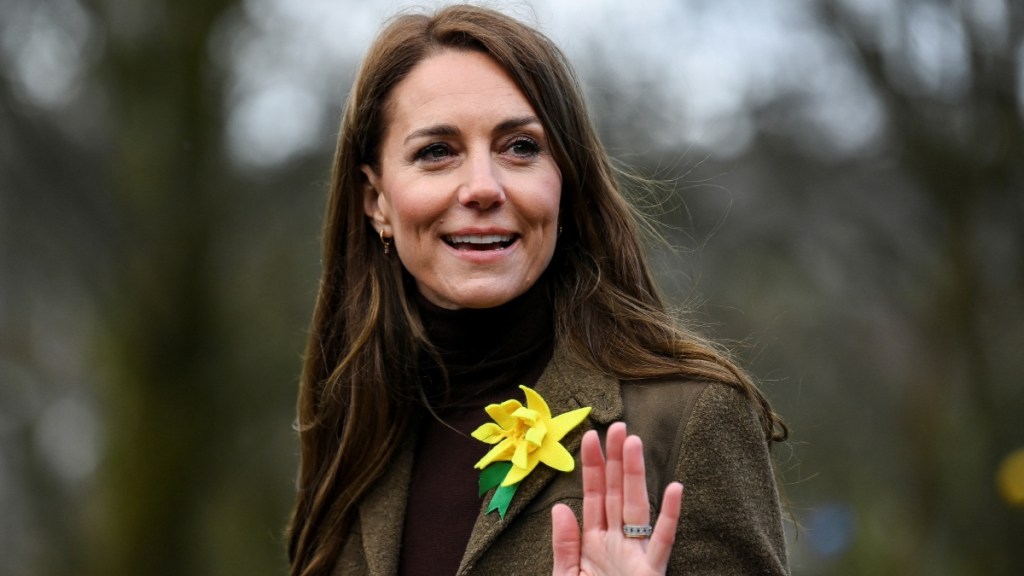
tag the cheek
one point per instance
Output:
(548, 202)
(412, 211)
(544, 215)
(537, 194)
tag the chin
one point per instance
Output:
(484, 301)
(480, 298)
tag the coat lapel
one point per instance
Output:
(565, 387)
(382, 515)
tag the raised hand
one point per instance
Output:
(614, 495)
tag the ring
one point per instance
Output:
(637, 530)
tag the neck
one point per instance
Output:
(481, 349)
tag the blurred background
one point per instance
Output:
(843, 199)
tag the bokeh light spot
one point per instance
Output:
(831, 529)
(1011, 478)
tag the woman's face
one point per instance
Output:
(467, 186)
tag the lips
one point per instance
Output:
(480, 242)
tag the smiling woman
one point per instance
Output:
(477, 247)
(465, 183)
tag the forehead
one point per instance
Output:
(453, 86)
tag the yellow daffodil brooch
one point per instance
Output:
(523, 436)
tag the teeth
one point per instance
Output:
(480, 239)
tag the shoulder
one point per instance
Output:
(665, 400)
(684, 421)
(724, 430)
(709, 437)
(692, 409)
(725, 412)
(716, 435)
(732, 521)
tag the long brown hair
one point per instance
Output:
(361, 372)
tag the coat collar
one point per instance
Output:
(565, 386)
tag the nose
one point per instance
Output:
(482, 187)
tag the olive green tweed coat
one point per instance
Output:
(703, 435)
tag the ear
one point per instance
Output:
(374, 203)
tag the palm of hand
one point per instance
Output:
(614, 493)
(607, 554)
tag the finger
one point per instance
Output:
(613, 476)
(593, 483)
(660, 547)
(565, 541)
(636, 508)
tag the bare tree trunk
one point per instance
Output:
(162, 396)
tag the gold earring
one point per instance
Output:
(384, 241)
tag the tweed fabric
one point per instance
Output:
(704, 435)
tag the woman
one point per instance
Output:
(476, 241)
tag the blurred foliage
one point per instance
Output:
(158, 267)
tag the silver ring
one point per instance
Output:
(637, 530)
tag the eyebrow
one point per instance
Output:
(432, 131)
(513, 123)
(451, 130)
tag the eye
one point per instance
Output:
(434, 152)
(524, 147)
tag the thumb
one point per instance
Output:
(565, 541)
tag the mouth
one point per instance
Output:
(480, 242)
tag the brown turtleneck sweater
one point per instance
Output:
(488, 353)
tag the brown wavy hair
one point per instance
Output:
(361, 373)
